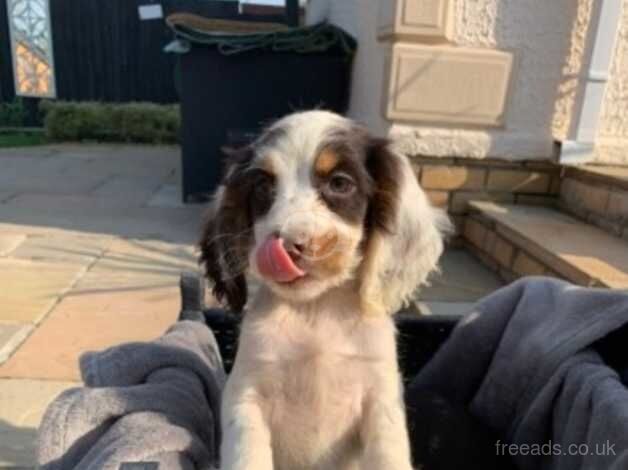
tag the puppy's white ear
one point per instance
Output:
(405, 233)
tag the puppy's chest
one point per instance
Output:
(314, 380)
(314, 383)
(310, 364)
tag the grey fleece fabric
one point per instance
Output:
(523, 362)
(142, 402)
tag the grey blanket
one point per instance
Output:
(523, 361)
(142, 402)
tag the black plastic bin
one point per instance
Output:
(225, 99)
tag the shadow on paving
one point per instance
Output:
(17, 447)
(148, 267)
(56, 215)
(126, 191)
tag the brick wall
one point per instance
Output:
(451, 182)
(596, 198)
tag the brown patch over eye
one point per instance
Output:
(342, 181)
(262, 192)
(326, 162)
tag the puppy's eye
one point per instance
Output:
(341, 184)
(263, 185)
(262, 192)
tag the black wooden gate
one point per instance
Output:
(103, 52)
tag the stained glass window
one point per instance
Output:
(31, 44)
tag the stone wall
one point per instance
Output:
(597, 197)
(451, 182)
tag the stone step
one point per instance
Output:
(615, 176)
(597, 195)
(519, 240)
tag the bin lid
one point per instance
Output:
(237, 37)
(216, 26)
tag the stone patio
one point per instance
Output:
(92, 241)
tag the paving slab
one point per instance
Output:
(92, 321)
(22, 404)
(11, 336)
(131, 265)
(29, 289)
(462, 279)
(89, 152)
(6, 196)
(45, 183)
(38, 213)
(13, 166)
(176, 175)
(78, 169)
(130, 293)
(133, 191)
(62, 248)
(61, 164)
(77, 206)
(140, 161)
(9, 242)
(39, 151)
(167, 195)
(83, 151)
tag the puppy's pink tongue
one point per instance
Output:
(273, 261)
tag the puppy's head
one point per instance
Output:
(317, 203)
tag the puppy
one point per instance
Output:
(338, 234)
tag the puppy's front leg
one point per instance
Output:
(246, 438)
(385, 437)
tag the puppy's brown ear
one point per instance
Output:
(227, 231)
(385, 170)
(404, 233)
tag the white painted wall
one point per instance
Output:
(548, 39)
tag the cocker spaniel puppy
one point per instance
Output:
(338, 233)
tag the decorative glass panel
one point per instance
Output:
(31, 44)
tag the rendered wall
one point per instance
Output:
(548, 40)
(612, 135)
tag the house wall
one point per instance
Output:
(612, 135)
(548, 41)
(571, 81)
(367, 87)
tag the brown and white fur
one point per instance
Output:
(315, 385)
